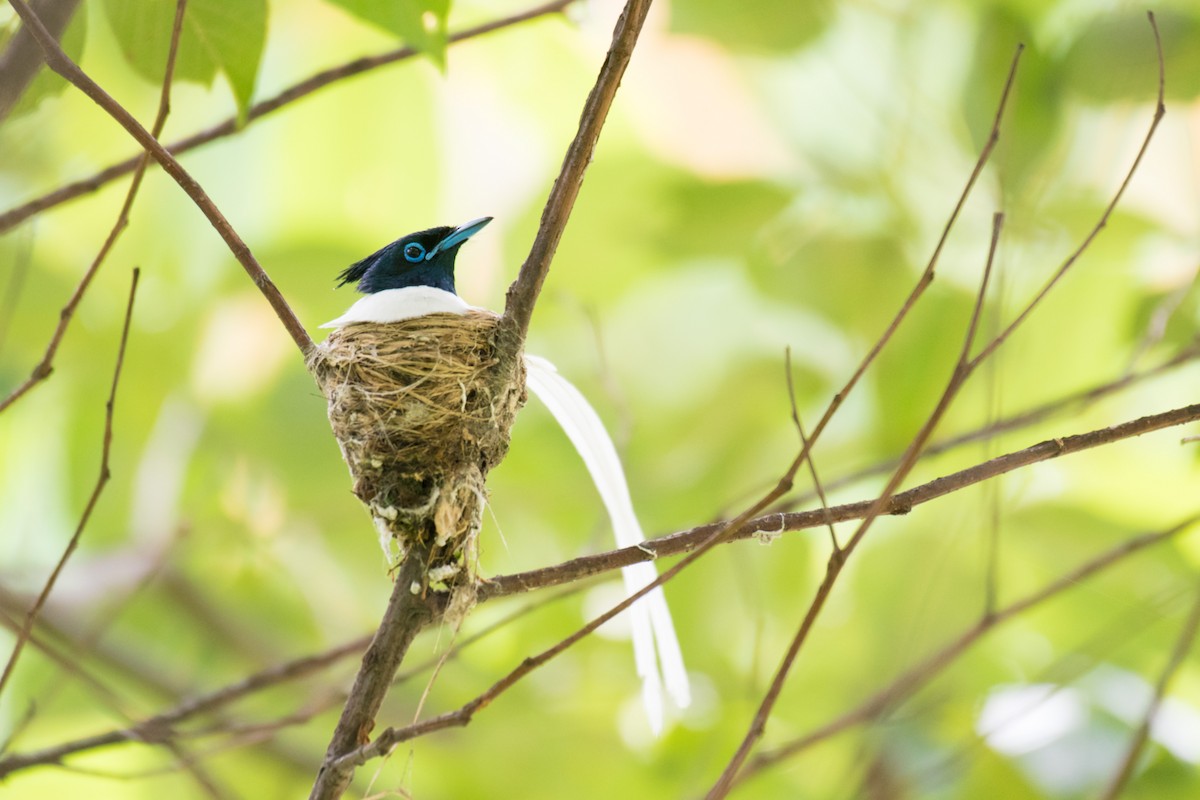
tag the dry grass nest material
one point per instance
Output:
(422, 410)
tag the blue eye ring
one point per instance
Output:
(414, 253)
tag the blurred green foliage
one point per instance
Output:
(787, 198)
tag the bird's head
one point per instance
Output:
(424, 258)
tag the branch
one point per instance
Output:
(58, 61)
(1187, 636)
(15, 216)
(1082, 398)
(160, 726)
(1159, 111)
(523, 293)
(164, 725)
(407, 612)
(837, 561)
(963, 370)
(900, 504)
(101, 482)
(929, 668)
(44, 367)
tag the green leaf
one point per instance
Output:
(1114, 58)
(47, 83)
(419, 23)
(769, 26)
(217, 36)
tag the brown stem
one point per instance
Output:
(927, 669)
(58, 61)
(46, 366)
(962, 371)
(775, 523)
(523, 293)
(1032, 416)
(838, 559)
(97, 490)
(1183, 645)
(15, 216)
(164, 725)
(407, 612)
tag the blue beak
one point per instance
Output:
(459, 235)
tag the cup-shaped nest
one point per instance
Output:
(422, 410)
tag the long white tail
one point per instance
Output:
(650, 619)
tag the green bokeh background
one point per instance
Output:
(773, 176)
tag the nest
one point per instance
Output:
(422, 410)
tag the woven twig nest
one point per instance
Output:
(422, 410)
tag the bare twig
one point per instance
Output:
(44, 367)
(963, 370)
(157, 728)
(101, 482)
(58, 61)
(1159, 111)
(806, 448)
(1032, 416)
(407, 612)
(524, 291)
(933, 665)
(15, 216)
(164, 725)
(1187, 636)
(837, 560)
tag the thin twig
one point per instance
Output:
(44, 367)
(1187, 636)
(165, 724)
(518, 307)
(159, 727)
(837, 561)
(927, 276)
(1024, 419)
(101, 482)
(15, 216)
(806, 448)
(58, 61)
(1159, 111)
(407, 612)
(930, 667)
(902, 503)
(962, 372)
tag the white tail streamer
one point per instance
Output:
(655, 646)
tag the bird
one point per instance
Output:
(413, 277)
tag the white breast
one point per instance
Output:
(393, 305)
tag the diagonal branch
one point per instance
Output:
(58, 61)
(44, 367)
(1183, 645)
(15, 216)
(902, 503)
(930, 667)
(837, 561)
(525, 289)
(101, 482)
(963, 370)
